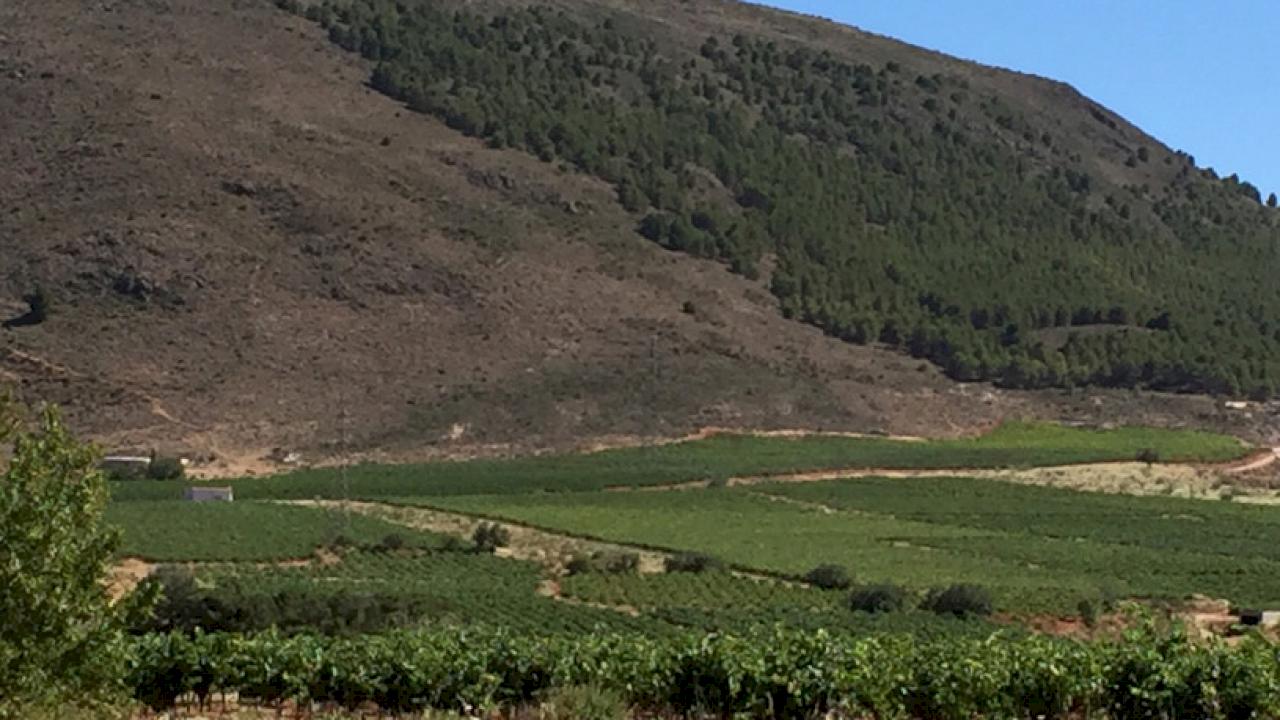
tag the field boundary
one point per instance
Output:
(386, 511)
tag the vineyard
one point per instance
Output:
(1038, 549)
(452, 587)
(173, 531)
(723, 602)
(374, 609)
(724, 456)
(775, 673)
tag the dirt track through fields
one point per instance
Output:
(1132, 478)
(1262, 460)
(551, 550)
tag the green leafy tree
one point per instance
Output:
(1272, 201)
(61, 641)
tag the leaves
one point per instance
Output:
(61, 636)
(771, 673)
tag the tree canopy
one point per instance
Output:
(62, 639)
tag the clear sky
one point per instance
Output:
(1200, 75)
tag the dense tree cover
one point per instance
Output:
(900, 207)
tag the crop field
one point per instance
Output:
(451, 587)
(725, 456)
(175, 531)
(1036, 548)
(722, 601)
(411, 619)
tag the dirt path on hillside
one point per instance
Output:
(1259, 461)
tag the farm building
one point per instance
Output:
(125, 466)
(209, 494)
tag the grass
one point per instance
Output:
(177, 531)
(725, 456)
(1037, 549)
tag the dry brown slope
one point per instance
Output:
(242, 240)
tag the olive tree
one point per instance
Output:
(62, 639)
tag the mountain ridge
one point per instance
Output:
(237, 262)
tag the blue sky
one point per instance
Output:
(1201, 75)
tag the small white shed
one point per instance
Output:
(209, 494)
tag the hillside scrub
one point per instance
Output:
(904, 205)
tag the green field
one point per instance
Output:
(174, 531)
(1036, 548)
(451, 587)
(725, 456)
(722, 601)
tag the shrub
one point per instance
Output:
(580, 565)
(692, 563)
(616, 563)
(125, 472)
(1149, 456)
(453, 544)
(488, 537)
(878, 599)
(960, 600)
(582, 702)
(828, 577)
(391, 543)
(38, 304)
(165, 468)
(1088, 612)
(620, 563)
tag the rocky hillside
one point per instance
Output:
(218, 236)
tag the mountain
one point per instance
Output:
(505, 225)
